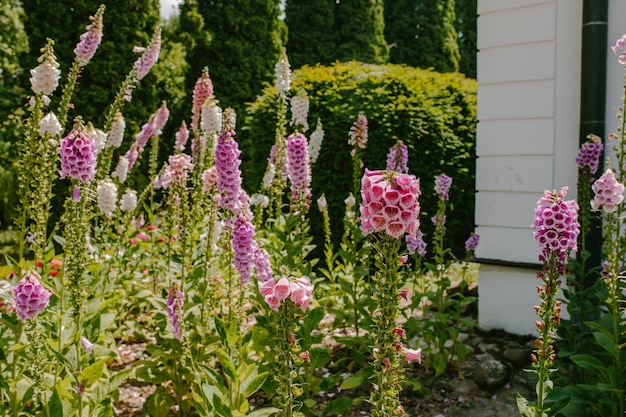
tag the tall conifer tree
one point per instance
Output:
(437, 45)
(359, 31)
(310, 39)
(245, 44)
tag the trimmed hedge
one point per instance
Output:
(433, 113)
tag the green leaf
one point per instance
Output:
(524, 409)
(588, 362)
(357, 379)
(227, 364)
(264, 412)
(606, 342)
(254, 385)
(92, 373)
(337, 406)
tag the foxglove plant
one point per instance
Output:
(140, 69)
(398, 157)
(30, 297)
(84, 51)
(556, 230)
(315, 144)
(276, 171)
(300, 111)
(389, 210)
(357, 138)
(37, 162)
(299, 172)
(287, 296)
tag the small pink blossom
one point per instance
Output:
(282, 289)
(181, 137)
(173, 308)
(620, 49)
(412, 354)
(442, 186)
(86, 344)
(202, 90)
(398, 157)
(209, 179)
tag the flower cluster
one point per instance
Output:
(229, 175)
(30, 297)
(202, 90)
(211, 117)
(442, 186)
(49, 124)
(300, 110)
(472, 242)
(298, 290)
(45, 77)
(389, 203)
(90, 40)
(244, 247)
(556, 226)
(173, 306)
(209, 179)
(620, 49)
(315, 144)
(358, 133)
(299, 170)
(282, 75)
(398, 158)
(150, 55)
(128, 202)
(181, 137)
(415, 243)
(107, 197)
(608, 193)
(176, 171)
(589, 154)
(78, 154)
(116, 134)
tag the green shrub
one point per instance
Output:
(434, 114)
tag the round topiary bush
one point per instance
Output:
(434, 114)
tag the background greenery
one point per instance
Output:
(433, 113)
(239, 40)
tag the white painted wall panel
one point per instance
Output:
(486, 6)
(506, 297)
(526, 62)
(514, 173)
(515, 137)
(524, 100)
(505, 209)
(506, 244)
(517, 26)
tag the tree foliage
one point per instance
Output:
(466, 23)
(359, 31)
(310, 39)
(434, 114)
(436, 43)
(246, 37)
(13, 44)
(126, 24)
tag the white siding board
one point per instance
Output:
(506, 297)
(527, 100)
(487, 6)
(530, 173)
(507, 244)
(515, 137)
(506, 209)
(517, 26)
(526, 62)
